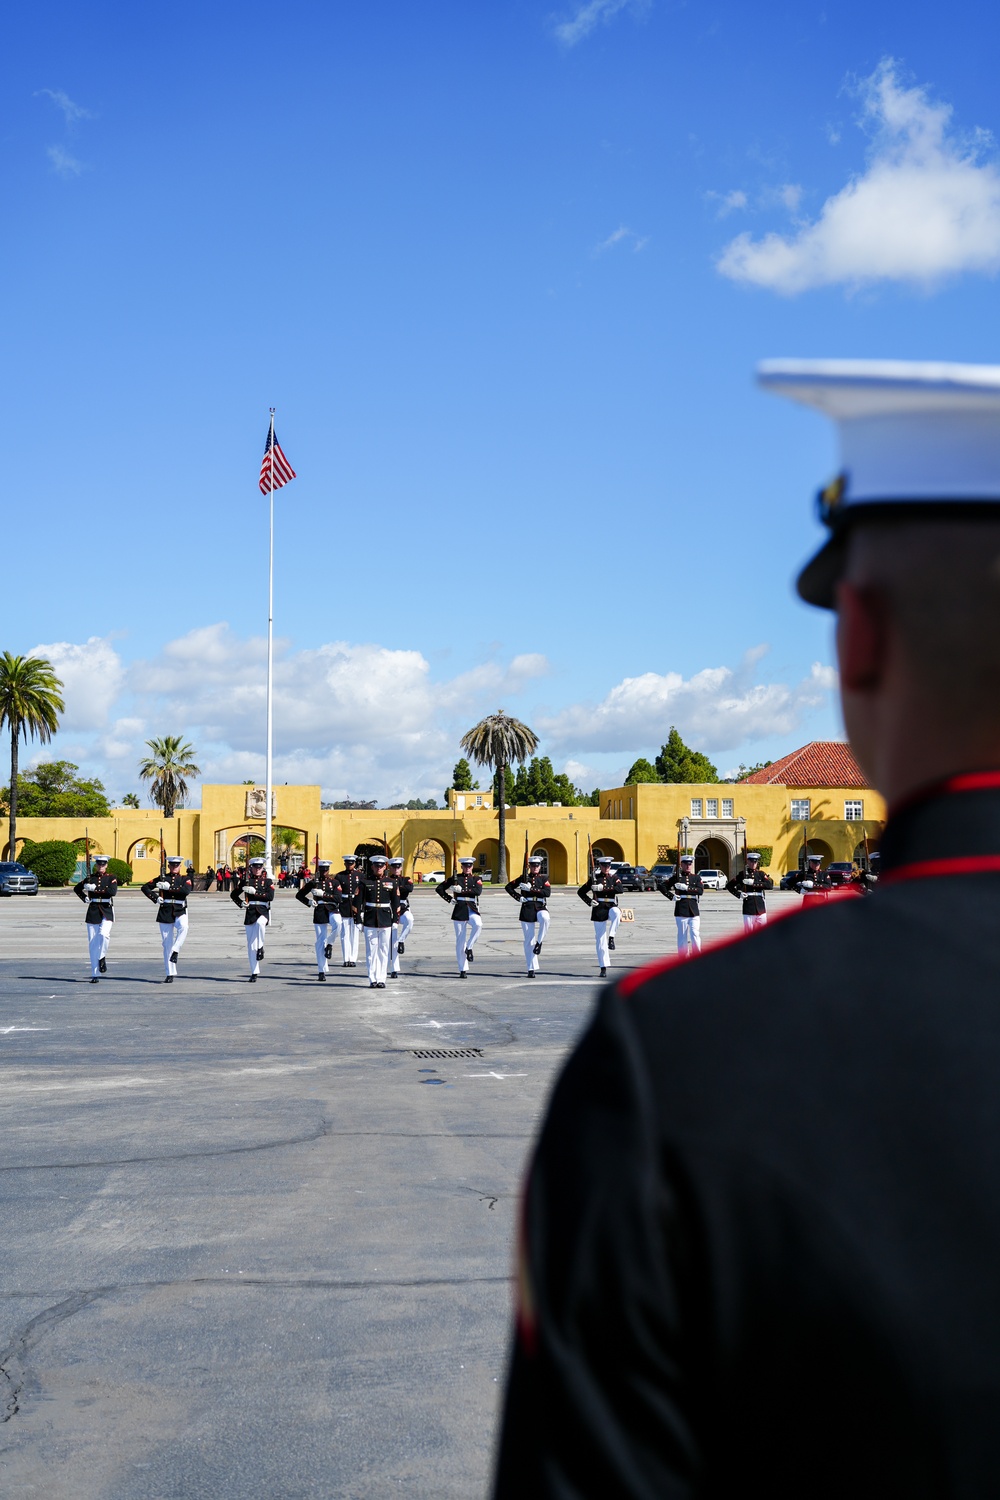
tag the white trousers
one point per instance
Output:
(466, 936)
(601, 935)
(349, 940)
(255, 940)
(324, 933)
(688, 935)
(754, 920)
(613, 920)
(173, 935)
(98, 937)
(400, 934)
(534, 932)
(377, 941)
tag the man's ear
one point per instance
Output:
(861, 637)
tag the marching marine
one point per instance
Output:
(868, 879)
(375, 910)
(600, 892)
(812, 882)
(169, 894)
(325, 905)
(257, 892)
(98, 890)
(749, 887)
(464, 890)
(403, 922)
(683, 888)
(533, 891)
(348, 882)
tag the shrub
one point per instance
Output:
(121, 871)
(53, 861)
(765, 851)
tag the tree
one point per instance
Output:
(285, 840)
(745, 771)
(461, 777)
(53, 861)
(676, 762)
(52, 790)
(130, 799)
(30, 705)
(414, 805)
(538, 782)
(499, 741)
(168, 766)
(641, 771)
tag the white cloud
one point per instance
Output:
(717, 708)
(594, 13)
(622, 235)
(71, 112)
(63, 163)
(926, 206)
(727, 202)
(92, 676)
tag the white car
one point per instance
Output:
(433, 877)
(712, 880)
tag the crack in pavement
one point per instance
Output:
(13, 1366)
(323, 1129)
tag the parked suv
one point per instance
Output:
(841, 872)
(16, 880)
(628, 876)
(660, 873)
(646, 879)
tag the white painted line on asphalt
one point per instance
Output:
(6, 1030)
(494, 1075)
(440, 1025)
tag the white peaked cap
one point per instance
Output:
(377, 859)
(258, 859)
(174, 859)
(910, 433)
(322, 864)
(753, 854)
(467, 859)
(395, 860)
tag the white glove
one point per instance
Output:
(807, 885)
(163, 885)
(454, 890)
(524, 886)
(598, 889)
(748, 882)
(249, 890)
(88, 888)
(680, 886)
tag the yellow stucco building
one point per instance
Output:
(817, 792)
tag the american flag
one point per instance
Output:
(274, 462)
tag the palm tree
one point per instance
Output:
(499, 741)
(30, 705)
(130, 799)
(166, 768)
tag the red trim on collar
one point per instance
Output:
(965, 781)
(929, 869)
(637, 977)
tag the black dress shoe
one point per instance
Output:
(531, 973)
(604, 973)
(345, 964)
(469, 954)
(169, 979)
(260, 954)
(328, 951)
(321, 978)
(462, 974)
(394, 975)
(102, 964)
(173, 958)
(611, 944)
(372, 985)
(380, 985)
(94, 980)
(537, 949)
(400, 947)
(253, 979)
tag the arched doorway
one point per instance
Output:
(816, 846)
(555, 860)
(487, 856)
(863, 854)
(610, 847)
(713, 854)
(430, 855)
(243, 849)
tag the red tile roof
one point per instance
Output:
(821, 763)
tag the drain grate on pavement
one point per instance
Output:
(447, 1051)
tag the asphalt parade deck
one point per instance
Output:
(255, 1244)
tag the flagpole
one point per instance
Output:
(270, 658)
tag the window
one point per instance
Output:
(696, 807)
(800, 809)
(727, 807)
(479, 801)
(854, 812)
(712, 807)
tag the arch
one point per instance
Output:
(714, 854)
(816, 846)
(430, 854)
(487, 856)
(609, 846)
(863, 854)
(555, 860)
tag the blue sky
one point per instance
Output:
(504, 269)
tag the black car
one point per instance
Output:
(660, 873)
(787, 882)
(646, 879)
(17, 880)
(628, 876)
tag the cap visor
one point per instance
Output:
(818, 579)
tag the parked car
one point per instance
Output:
(787, 881)
(841, 872)
(660, 873)
(16, 880)
(627, 875)
(434, 877)
(712, 880)
(646, 879)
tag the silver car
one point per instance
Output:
(16, 880)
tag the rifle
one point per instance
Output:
(590, 860)
(454, 857)
(524, 867)
(163, 856)
(86, 843)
